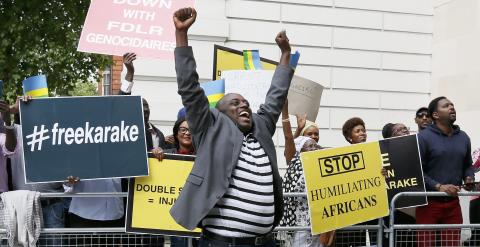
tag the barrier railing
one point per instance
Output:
(351, 234)
(419, 228)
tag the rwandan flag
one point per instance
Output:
(35, 86)
(251, 60)
(214, 90)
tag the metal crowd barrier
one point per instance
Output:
(358, 235)
(405, 235)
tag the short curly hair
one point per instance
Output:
(349, 125)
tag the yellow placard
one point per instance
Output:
(230, 59)
(150, 198)
(344, 186)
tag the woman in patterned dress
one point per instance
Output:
(296, 208)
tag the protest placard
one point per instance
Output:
(344, 186)
(145, 27)
(86, 137)
(401, 159)
(225, 58)
(253, 85)
(150, 198)
(304, 95)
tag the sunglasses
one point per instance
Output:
(422, 115)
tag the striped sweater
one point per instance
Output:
(247, 208)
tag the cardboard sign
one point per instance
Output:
(150, 198)
(114, 27)
(253, 85)
(401, 159)
(86, 137)
(225, 58)
(303, 97)
(344, 186)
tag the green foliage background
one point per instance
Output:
(41, 37)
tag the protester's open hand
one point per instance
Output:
(184, 18)
(170, 140)
(72, 180)
(158, 153)
(450, 189)
(283, 42)
(128, 59)
(301, 121)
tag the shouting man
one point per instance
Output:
(234, 192)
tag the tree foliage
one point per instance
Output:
(83, 89)
(41, 37)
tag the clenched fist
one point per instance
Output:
(283, 42)
(184, 18)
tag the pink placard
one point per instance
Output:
(145, 27)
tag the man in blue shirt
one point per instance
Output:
(446, 159)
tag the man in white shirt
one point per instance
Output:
(154, 137)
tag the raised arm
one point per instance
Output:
(11, 138)
(301, 122)
(127, 83)
(275, 99)
(193, 98)
(287, 134)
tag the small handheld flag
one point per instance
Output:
(251, 60)
(294, 59)
(35, 86)
(214, 90)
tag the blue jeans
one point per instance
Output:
(53, 217)
(205, 242)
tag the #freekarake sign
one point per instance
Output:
(86, 137)
(145, 27)
(344, 186)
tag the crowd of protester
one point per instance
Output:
(252, 172)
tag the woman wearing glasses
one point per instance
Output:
(183, 138)
(183, 145)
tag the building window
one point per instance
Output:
(107, 81)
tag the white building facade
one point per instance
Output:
(374, 57)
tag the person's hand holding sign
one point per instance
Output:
(72, 180)
(158, 153)
(183, 20)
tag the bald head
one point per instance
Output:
(237, 109)
(223, 102)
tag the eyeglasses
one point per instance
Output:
(401, 131)
(183, 130)
(422, 115)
